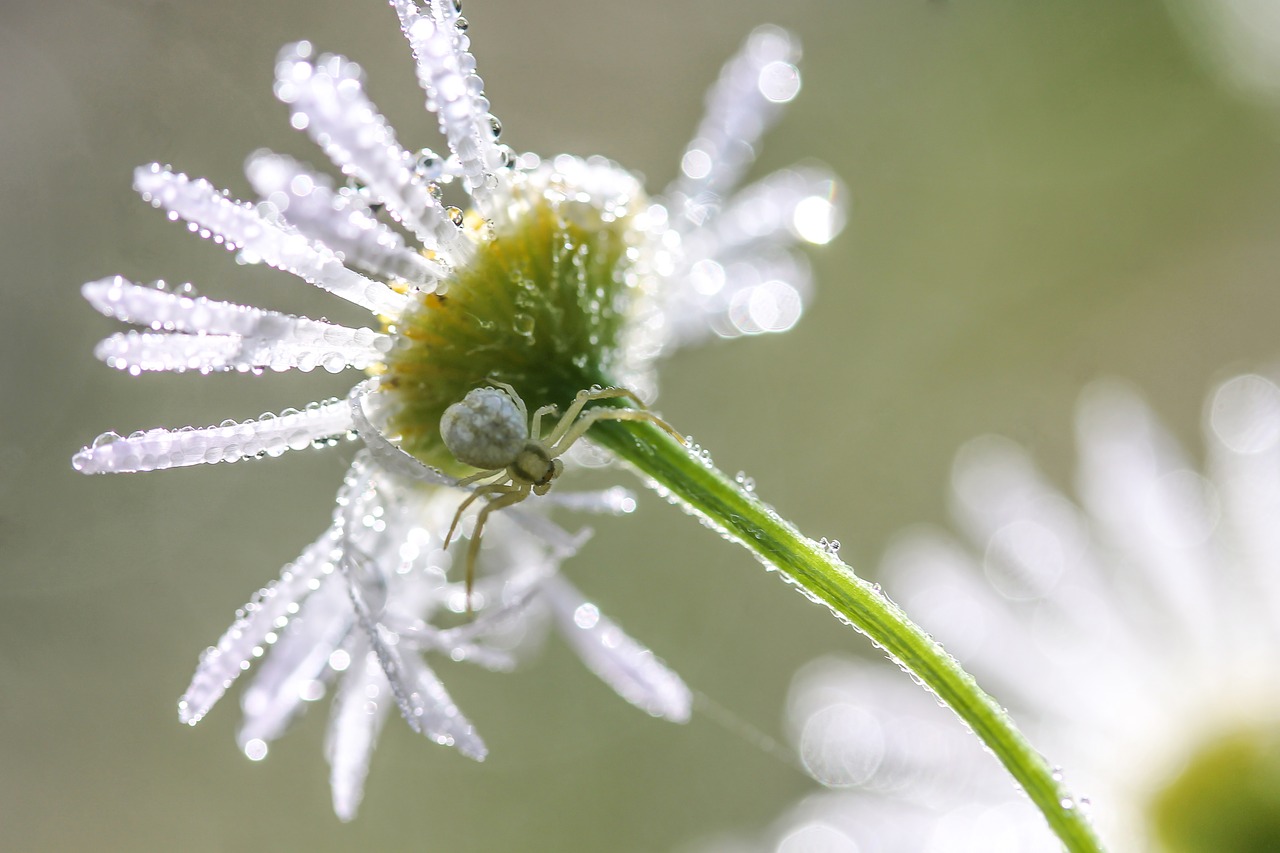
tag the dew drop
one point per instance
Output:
(255, 749)
(429, 165)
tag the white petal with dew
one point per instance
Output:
(240, 226)
(359, 711)
(228, 336)
(563, 543)
(166, 310)
(804, 204)
(328, 101)
(455, 93)
(507, 603)
(428, 639)
(632, 670)
(389, 456)
(140, 352)
(161, 351)
(339, 219)
(295, 670)
(750, 295)
(742, 104)
(266, 614)
(422, 699)
(270, 435)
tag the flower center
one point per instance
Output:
(551, 304)
(1226, 799)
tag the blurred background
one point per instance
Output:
(1041, 194)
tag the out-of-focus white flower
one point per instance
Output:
(560, 276)
(1135, 636)
(1238, 40)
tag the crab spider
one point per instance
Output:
(487, 429)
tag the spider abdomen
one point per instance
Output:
(485, 429)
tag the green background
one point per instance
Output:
(1042, 193)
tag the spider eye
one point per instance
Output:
(485, 429)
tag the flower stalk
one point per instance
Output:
(820, 575)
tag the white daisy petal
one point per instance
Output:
(857, 724)
(339, 219)
(436, 714)
(383, 451)
(1138, 486)
(1244, 459)
(455, 93)
(294, 673)
(422, 699)
(328, 101)
(269, 435)
(139, 352)
(751, 295)
(266, 614)
(429, 639)
(563, 544)
(177, 312)
(230, 336)
(359, 711)
(743, 103)
(936, 579)
(238, 225)
(152, 351)
(632, 670)
(801, 204)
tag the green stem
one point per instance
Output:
(709, 493)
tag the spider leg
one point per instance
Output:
(515, 398)
(581, 400)
(585, 422)
(462, 507)
(475, 478)
(510, 495)
(536, 425)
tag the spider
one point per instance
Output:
(487, 429)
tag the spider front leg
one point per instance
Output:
(585, 423)
(580, 401)
(536, 425)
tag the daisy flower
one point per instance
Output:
(1135, 633)
(554, 275)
